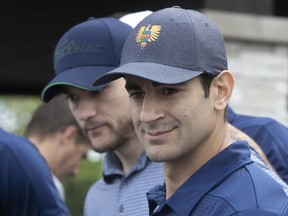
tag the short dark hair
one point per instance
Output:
(52, 117)
(206, 80)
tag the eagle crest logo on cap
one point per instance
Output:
(147, 34)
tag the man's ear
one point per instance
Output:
(224, 84)
(68, 135)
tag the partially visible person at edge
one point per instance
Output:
(59, 138)
(175, 67)
(26, 184)
(270, 135)
(103, 113)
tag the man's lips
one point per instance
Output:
(94, 128)
(158, 133)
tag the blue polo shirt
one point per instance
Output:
(119, 193)
(270, 135)
(228, 184)
(26, 185)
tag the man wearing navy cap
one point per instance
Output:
(88, 50)
(177, 77)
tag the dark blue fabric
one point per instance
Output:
(26, 185)
(228, 184)
(270, 135)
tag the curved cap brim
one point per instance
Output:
(152, 71)
(80, 77)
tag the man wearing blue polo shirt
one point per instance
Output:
(103, 114)
(175, 66)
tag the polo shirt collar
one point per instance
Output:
(205, 179)
(112, 166)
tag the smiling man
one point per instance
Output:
(177, 77)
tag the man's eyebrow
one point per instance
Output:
(64, 90)
(156, 84)
(131, 85)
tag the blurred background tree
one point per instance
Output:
(16, 111)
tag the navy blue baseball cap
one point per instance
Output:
(86, 51)
(171, 46)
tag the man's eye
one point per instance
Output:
(169, 91)
(72, 98)
(136, 94)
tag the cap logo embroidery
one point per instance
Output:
(147, 34)
(71, 47)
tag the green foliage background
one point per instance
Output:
(16, 112)
(77, 187)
